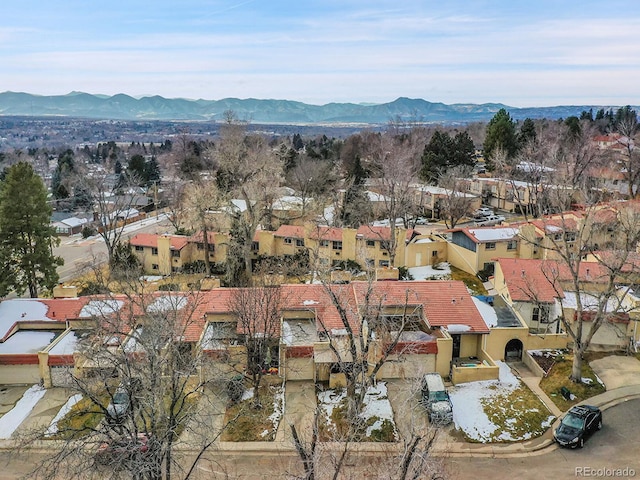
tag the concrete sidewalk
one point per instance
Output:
(447, 445)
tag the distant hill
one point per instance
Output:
(124, 107)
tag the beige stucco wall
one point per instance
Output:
(497, 340)
(19, 374)
(420, 254)
(408, 366)
(539, 342)
(470, 345)
(443, 359)
(299, 369)
(462, 258)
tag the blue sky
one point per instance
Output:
(521, 53)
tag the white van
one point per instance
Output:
(436, 399)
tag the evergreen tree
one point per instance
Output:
(152, 171)
(501, 135)
(527, 132)
(136, 169)
(66, 167)
(26, 235)
(443, 153)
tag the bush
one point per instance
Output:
(403, 274)
(169, 287)
(88, 231)
(235, 389)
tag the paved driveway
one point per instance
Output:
(617, 371)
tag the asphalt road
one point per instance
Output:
(616, 446)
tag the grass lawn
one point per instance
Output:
(249, 424)
(558, 377)
(472, 282)
(520, 415)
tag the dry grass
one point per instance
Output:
(558, 377)
(519, 414)
(472, 282)
(249, 424)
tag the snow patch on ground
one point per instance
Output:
(278, 410)
(376, 406)
(66, 408)
(11, 420)
(468, 411)
(427, 272)
(247, 394)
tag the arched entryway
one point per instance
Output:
(513, 350)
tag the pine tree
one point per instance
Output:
(26, 235)
(501, 136)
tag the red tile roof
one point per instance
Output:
(531, 280)
(178, 242)
(326, 233)
(291, 231)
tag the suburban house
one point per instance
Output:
(368, 246)
(69, 226)
(540, 292)
(167, 254)
(424, 325)
(475, 249)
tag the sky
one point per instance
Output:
(520, 53)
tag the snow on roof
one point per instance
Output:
(67, 344)
(488, 313)
(18, 309)
(166, 303)
(27, 341)
(457, 328)
(494, 234)
(299, 332)
(376, 197)
(74, 221)
(589, 301)
(97, 308)
(424, 240)
(11, 420)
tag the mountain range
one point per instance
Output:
(125, 107)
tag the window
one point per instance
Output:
(512, 245)
(371, 243)
(200, 246)
(570, 236)
(154, 266)
(490, 246)
(540, 314)
(288, 241)
(255, 246)
(337, 245)
(383, 263)
(324, 243)
(139, 248)
(175, 253)
(299, 242)
(434, 253)
(154, 251)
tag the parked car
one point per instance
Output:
(490, 220)
(577, 425)
(119, 405)
(123, 448)
(436, 399)
(483, 212)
